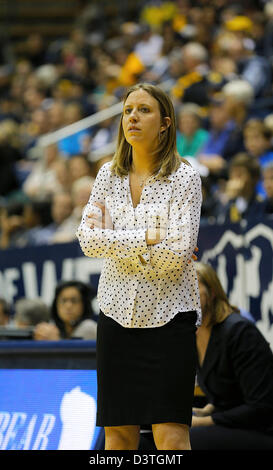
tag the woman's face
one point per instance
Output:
(141, 120)
(70, 305)
(255, 143)
(188, 124)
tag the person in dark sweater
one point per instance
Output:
(235, 371)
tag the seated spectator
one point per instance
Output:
(106, 131)
(210, 203)
(34, 127)
(267, 172)
(221, 126)
(55, 114)
(191, 136)
(11, 225)
(5, 313)
(78, 142)
(258, 143)
(60, 167)
(63, 226)
(78, 167)
(149, 46)
(160, 70)
(30, 312)
(192, 85)
(36, 216)
(71, 314)
(81, 190)
(235, 371)
(238, 97)
(42, 181)
(251, 67)
(240, 192)
(21, 224)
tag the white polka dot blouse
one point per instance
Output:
(140, 285)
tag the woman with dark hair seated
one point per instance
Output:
(72, 314)
(235, 371)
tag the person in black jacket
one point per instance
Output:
(235, 371)
(243, 202)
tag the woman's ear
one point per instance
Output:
(165, 124)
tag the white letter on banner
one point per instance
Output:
(17, 421)
(27, 436)
(11, 275)
(30, 280)
(49, 281)
(2, 285)
(4, 421)
(47, 425)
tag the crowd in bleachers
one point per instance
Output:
(214, 57)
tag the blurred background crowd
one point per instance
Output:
(215, 59)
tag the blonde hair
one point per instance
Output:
(168, 159)
(196, 50)
(240, 90)
(220, 308)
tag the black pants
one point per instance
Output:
(223, 438)
(218, 438)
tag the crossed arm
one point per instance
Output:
(153, 235)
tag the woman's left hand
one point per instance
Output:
(202, 421)
(103, 222)
(193, 256)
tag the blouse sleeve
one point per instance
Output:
(183, 226)
(108, 243)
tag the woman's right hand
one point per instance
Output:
(155, 235)
(46, 332)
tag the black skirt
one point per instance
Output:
(146, 375)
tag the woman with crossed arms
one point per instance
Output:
(143, 219)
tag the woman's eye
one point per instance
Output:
(127, 111)
(145, 110)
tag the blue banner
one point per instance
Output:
(242, 255)
(34, 271)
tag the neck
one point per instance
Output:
(142, 163)
(240, 115)
(204, 327)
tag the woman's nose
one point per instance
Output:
(133, 115)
